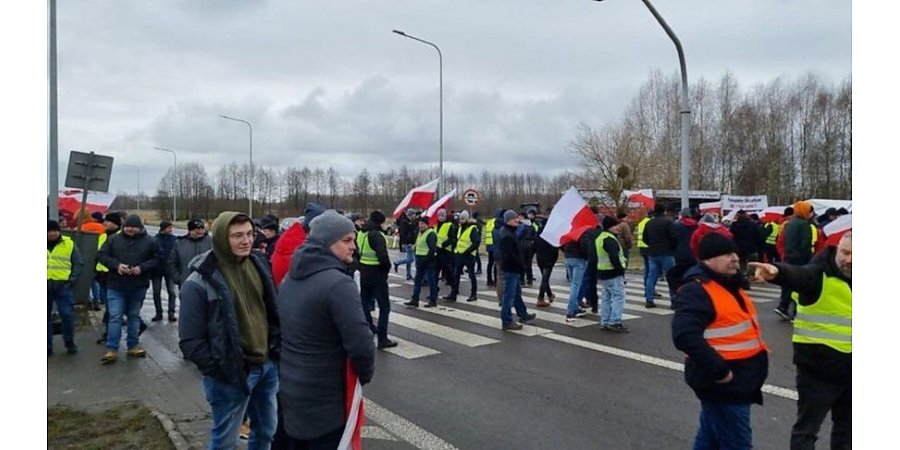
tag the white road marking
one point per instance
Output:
(441, 331)
(404, 429)
(480, 319)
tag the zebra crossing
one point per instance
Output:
(484, 312)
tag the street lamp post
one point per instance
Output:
(138, 183)
(685, 108)
(175, 196)
(250, 180)
(441, 84)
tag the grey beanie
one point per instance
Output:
(464, 216)
(708, 218)
(509, 215)
(330, 227)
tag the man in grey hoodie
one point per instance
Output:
(325, 335)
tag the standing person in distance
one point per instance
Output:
(426, 264)
(64, 264)
(467, 241)
(610, 263)
(166, 242)
(661, 239)
(229, 329)
(726, 360)
(406, 227)
(512, 262)
(374, 266)
(547, 255)
(800, 237)
(187, 247)
(326, 338)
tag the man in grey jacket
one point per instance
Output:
(187, 247)
(325, 334)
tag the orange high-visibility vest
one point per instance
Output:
(735, 333)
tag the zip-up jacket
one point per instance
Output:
(138, 251)
(185, 250)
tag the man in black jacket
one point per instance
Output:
(229, 329)
(131, 256)
(325, 335)
(406, 228)
(512, 263)
(726, 361)
(426, 264)
(661, 239)
(468, 239)
(374, 266)
(166, 242)
(747, 237)
(823, 341)
(610, 265)
(446, 240)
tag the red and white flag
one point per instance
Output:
(356, 416)
(772, 214)
(419, 197)
(642, 197)
(70, 202)
(570, 218)
(837, 228)
(443, 203)
(711, 207)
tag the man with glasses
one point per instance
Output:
(229, 328)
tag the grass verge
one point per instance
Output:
(124, 426)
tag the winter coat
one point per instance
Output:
(186, 249)
(694, 311)
(660, 236)
(684, 229)
(208, 329)
(511, 258)
(798, 241)
(322, 318)
(407, 230)
(138, 251)
(747, 236)
(287, 244)
(166, 243)
(379, 245)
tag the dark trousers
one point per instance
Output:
(445, 266)
(771, 252)
(425, 274)
(477, 262)
(545, 282)
(673, 277)
(528, 254)
(157, 293)
(490, 265)
(467, 261)
(816, 398)
(373, 288)
(589, 286)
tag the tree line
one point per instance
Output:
(786, 139)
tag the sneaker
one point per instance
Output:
(541, 303)
(649, 305)
(616, 328)
(157, 318)
(172, 318)
(449, 298)
(431, 304)
(472, 299)
(109, 357)
(580, 313)
(527, 318)
(782, 313)
(582, 305)
(511, 326)
(657, 295)
(570, 318)
(412, 303)
(137, 352)
(594, 309)
(387, 343)
(245, 430)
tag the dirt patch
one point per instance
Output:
(124, 426)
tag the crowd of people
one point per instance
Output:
(253, 299)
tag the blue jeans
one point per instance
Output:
(229, 403)
(656, 265)
(95, 292)
(122, 300)
(408, 260)
(62, 295)
(724, 426)
(512, 297)
(427, 275)
(575, 267)
(612, 300)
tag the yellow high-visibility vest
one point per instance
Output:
(367, 255)
(422, 242)
(639, 232)
(488, 232)
(464, 240)
(603, 258)
(829, 321)
(443, 233)
(59, 260)
(814, 238)
(772, 238)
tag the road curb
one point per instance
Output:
(178, 441)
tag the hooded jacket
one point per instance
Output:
(320, 309)
(511, 257)
(694, 311)
(798, 247)
(209, 334)
(186, 249)
(138, 251)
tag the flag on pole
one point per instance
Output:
(418, 197)
(837, 228)
(643, 197)
(69, 203)
(353, 402)
(442, 203)
(570, 217)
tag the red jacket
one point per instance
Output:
(287, 244)
(703, 229)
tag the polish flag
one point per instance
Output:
(70, 203)
(353, 402)
(644, 197)
(442, 203)
(570, 218)
(837, 228)
(711, 207)
(772, 214)
(419, 197)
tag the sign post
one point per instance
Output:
(87, 171)
(471, 197)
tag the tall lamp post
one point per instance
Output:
(250, 180)
(175, 196)
(441, 84)
(685, 108)
(138, 183)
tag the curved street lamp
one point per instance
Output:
(250, 177)
(441, 83)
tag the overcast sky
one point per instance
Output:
(328, 84)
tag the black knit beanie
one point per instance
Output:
(714, 244)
